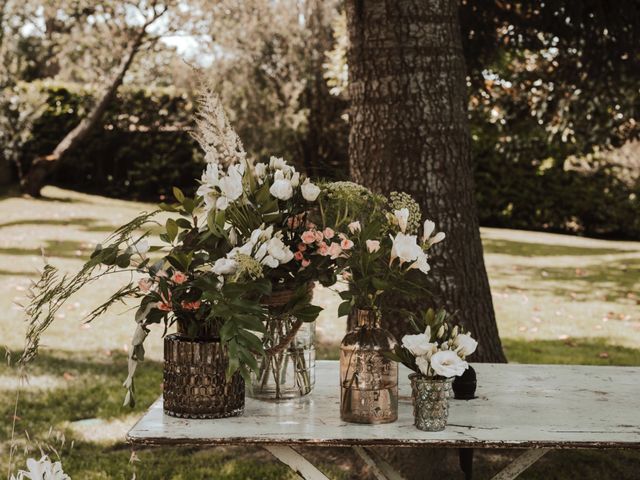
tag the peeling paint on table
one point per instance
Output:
(517, 406)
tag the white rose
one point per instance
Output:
(423, 364)
(402, 217)
(278, 250)
(448, 364)
(225, 266)
(465, 344)
(405, 247)
(281, 189)
(310, 191)
(276, 163)
(418, 344)
(428, 229)
(354, 227)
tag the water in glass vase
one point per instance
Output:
(368, 379)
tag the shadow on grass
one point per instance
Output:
(86, 224)
(618, 279)
(527, 249)
(578, 351)
(92, 389)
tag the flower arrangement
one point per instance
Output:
(380, 254)
(438, 349)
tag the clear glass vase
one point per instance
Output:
(430, 402)
(287, 370)
(368, 379)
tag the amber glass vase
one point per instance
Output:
(368, 379)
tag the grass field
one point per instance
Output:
(558, 299)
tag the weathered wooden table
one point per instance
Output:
(532, 407)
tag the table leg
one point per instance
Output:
(379, 467)
(466, 462)
(520, 464)
(296, 462)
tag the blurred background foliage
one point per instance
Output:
(553, 99)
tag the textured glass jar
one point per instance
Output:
(195, 383)
(368, 379)
(287, 370)
(430, 402)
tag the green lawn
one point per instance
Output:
(558, 299)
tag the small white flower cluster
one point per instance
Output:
(218, 189)
(42, 469)
(406, 247)
(263, 245)
(445, 355)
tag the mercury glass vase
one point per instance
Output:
(430, 402)
(287, 371)
(368, 379)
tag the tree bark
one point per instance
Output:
(42, 166)
(409, 132)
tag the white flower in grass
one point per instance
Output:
(465, 344)
(405, 248)
(402, 217)
(310, 191)
(225, 266)
(281, 189)
(448, 364)
(418, 344)
(42, 469)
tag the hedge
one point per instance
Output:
(144, 149)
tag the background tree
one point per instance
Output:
(119, 30)
(409, 132)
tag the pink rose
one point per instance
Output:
(191, 305)
(373, 245)
(298, 256)
(311, 225)
(309, 237)
(346, 244)
(323, 249)
(306, 262)
(165, 304)
(335, 251)
(179, 278)
(319, 237)
(302, 247)
(329, 233)
(145, 284)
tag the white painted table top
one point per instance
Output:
(518, 406)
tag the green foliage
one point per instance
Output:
(142, 150)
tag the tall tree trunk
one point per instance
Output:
(42, 166)
(409, 133)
